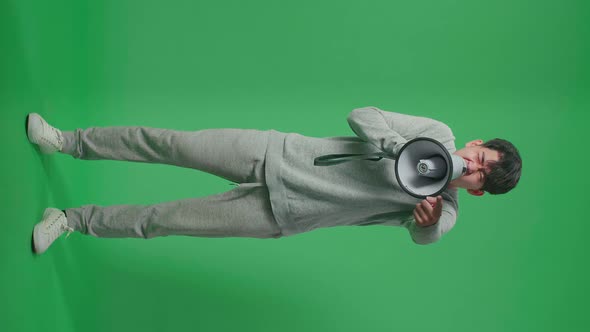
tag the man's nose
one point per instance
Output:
(472, 167)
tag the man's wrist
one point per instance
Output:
(426, 226)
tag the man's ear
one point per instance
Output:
(475, 192)
(474, 143)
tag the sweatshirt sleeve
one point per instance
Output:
(389, 131)
(432, 233)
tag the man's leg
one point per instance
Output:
(234, 154)
(240, 212)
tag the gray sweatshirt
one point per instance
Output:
(359, 192)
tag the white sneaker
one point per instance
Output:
(39, 132)
(53, 225)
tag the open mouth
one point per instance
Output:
(467, 161)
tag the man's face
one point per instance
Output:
(477, 159)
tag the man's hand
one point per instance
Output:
(428, 211)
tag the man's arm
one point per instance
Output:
(432, 233)
(389, 131)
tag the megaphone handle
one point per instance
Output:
(333, 159)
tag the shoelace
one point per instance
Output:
(68, 229)
(55, 232)
(57, 134)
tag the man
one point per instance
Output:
(279, 190)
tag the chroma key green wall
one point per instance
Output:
(515, 69)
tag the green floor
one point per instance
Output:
(512, 69)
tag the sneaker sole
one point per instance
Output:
(33, 242)
(36, 230)
(33, 239)
(28, 129)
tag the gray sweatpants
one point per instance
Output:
(237, 155)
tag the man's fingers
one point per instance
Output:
(420, 210)
(425, 213)
(417, 217)
(438, 206)
(428, 209)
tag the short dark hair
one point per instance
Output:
(505, 173)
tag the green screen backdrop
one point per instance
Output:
(517, 70)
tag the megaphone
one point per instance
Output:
(424, 167)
